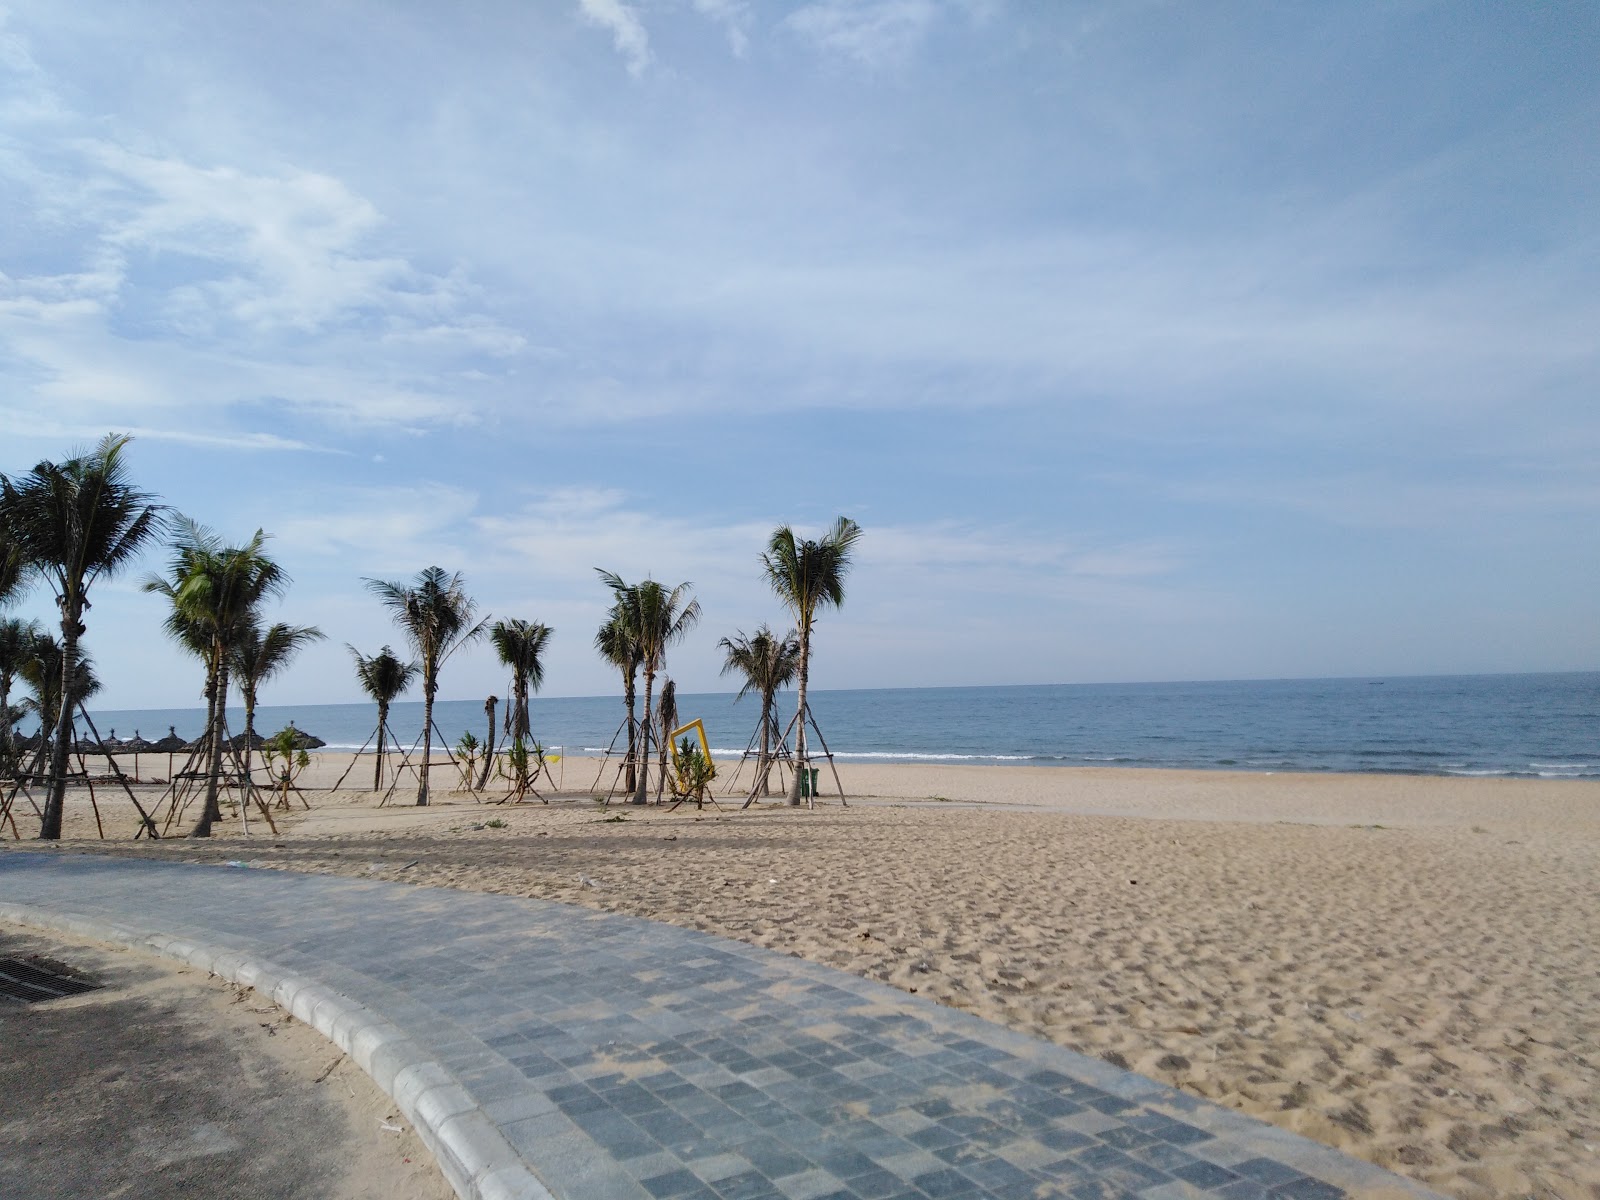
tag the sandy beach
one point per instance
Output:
(1402, 967)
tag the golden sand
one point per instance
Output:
(1405, 968)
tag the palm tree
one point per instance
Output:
(521, 645)
(383, 677)
(767, 663)
(435, 614)
(256, 657)
(658, 616)
(73, 523)
(216, 592)
(12, 573)
(619, 646)
(805, 575)
(16, 642)
(42, 668)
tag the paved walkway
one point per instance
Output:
(547, 1050)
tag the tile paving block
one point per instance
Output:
(588, 1056)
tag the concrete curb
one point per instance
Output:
(470, 1149)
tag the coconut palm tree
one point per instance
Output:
(767, 663)
(383, 677)
(435, 613)
(216, 592)
(619, 646)
(807, 574)
(257, 656)
(42, 669)
(16, 642)
(12, 575)
(659, 616)
(521, 645)
(73, 523)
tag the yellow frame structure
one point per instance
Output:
(699, 728)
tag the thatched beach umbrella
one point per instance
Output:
(136, 746)
(169, 746)
(306, 741)
(237, 741)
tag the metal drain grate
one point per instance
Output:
(32, 982)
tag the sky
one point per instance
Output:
(1144, 340)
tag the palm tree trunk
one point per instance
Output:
(488, 746)
(8, 749)
(800, 722)
(249, 736)
(55, 802)
(643, 783)
(383, 738)
(629, 697)
(521, 726)
(764, 756)
(211, 811)
(427, 746)
(521, 731)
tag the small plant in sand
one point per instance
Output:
(694, 772)
(467, 759)
(285, 759)
(520, 765)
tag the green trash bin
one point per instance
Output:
(808, 781)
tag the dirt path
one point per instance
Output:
(168, 1083)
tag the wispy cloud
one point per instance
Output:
(875, 33)
(734, 17)
(286, 251)
(627, 30)
(210, 287)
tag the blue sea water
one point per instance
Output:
(1509, 725)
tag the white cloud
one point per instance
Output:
(379, 530)
(198, 289)
(734, 17)
(876, 33)
(288, 249)
(627, 31)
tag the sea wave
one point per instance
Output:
(929, 756)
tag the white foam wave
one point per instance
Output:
(911, 755)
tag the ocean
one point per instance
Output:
(1541, 726)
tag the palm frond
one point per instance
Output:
(383, 676)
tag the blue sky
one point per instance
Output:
(1145, 340)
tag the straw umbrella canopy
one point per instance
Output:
(169, 745)
(137, 745)
(306, 741)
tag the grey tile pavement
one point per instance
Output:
(545, 1049)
